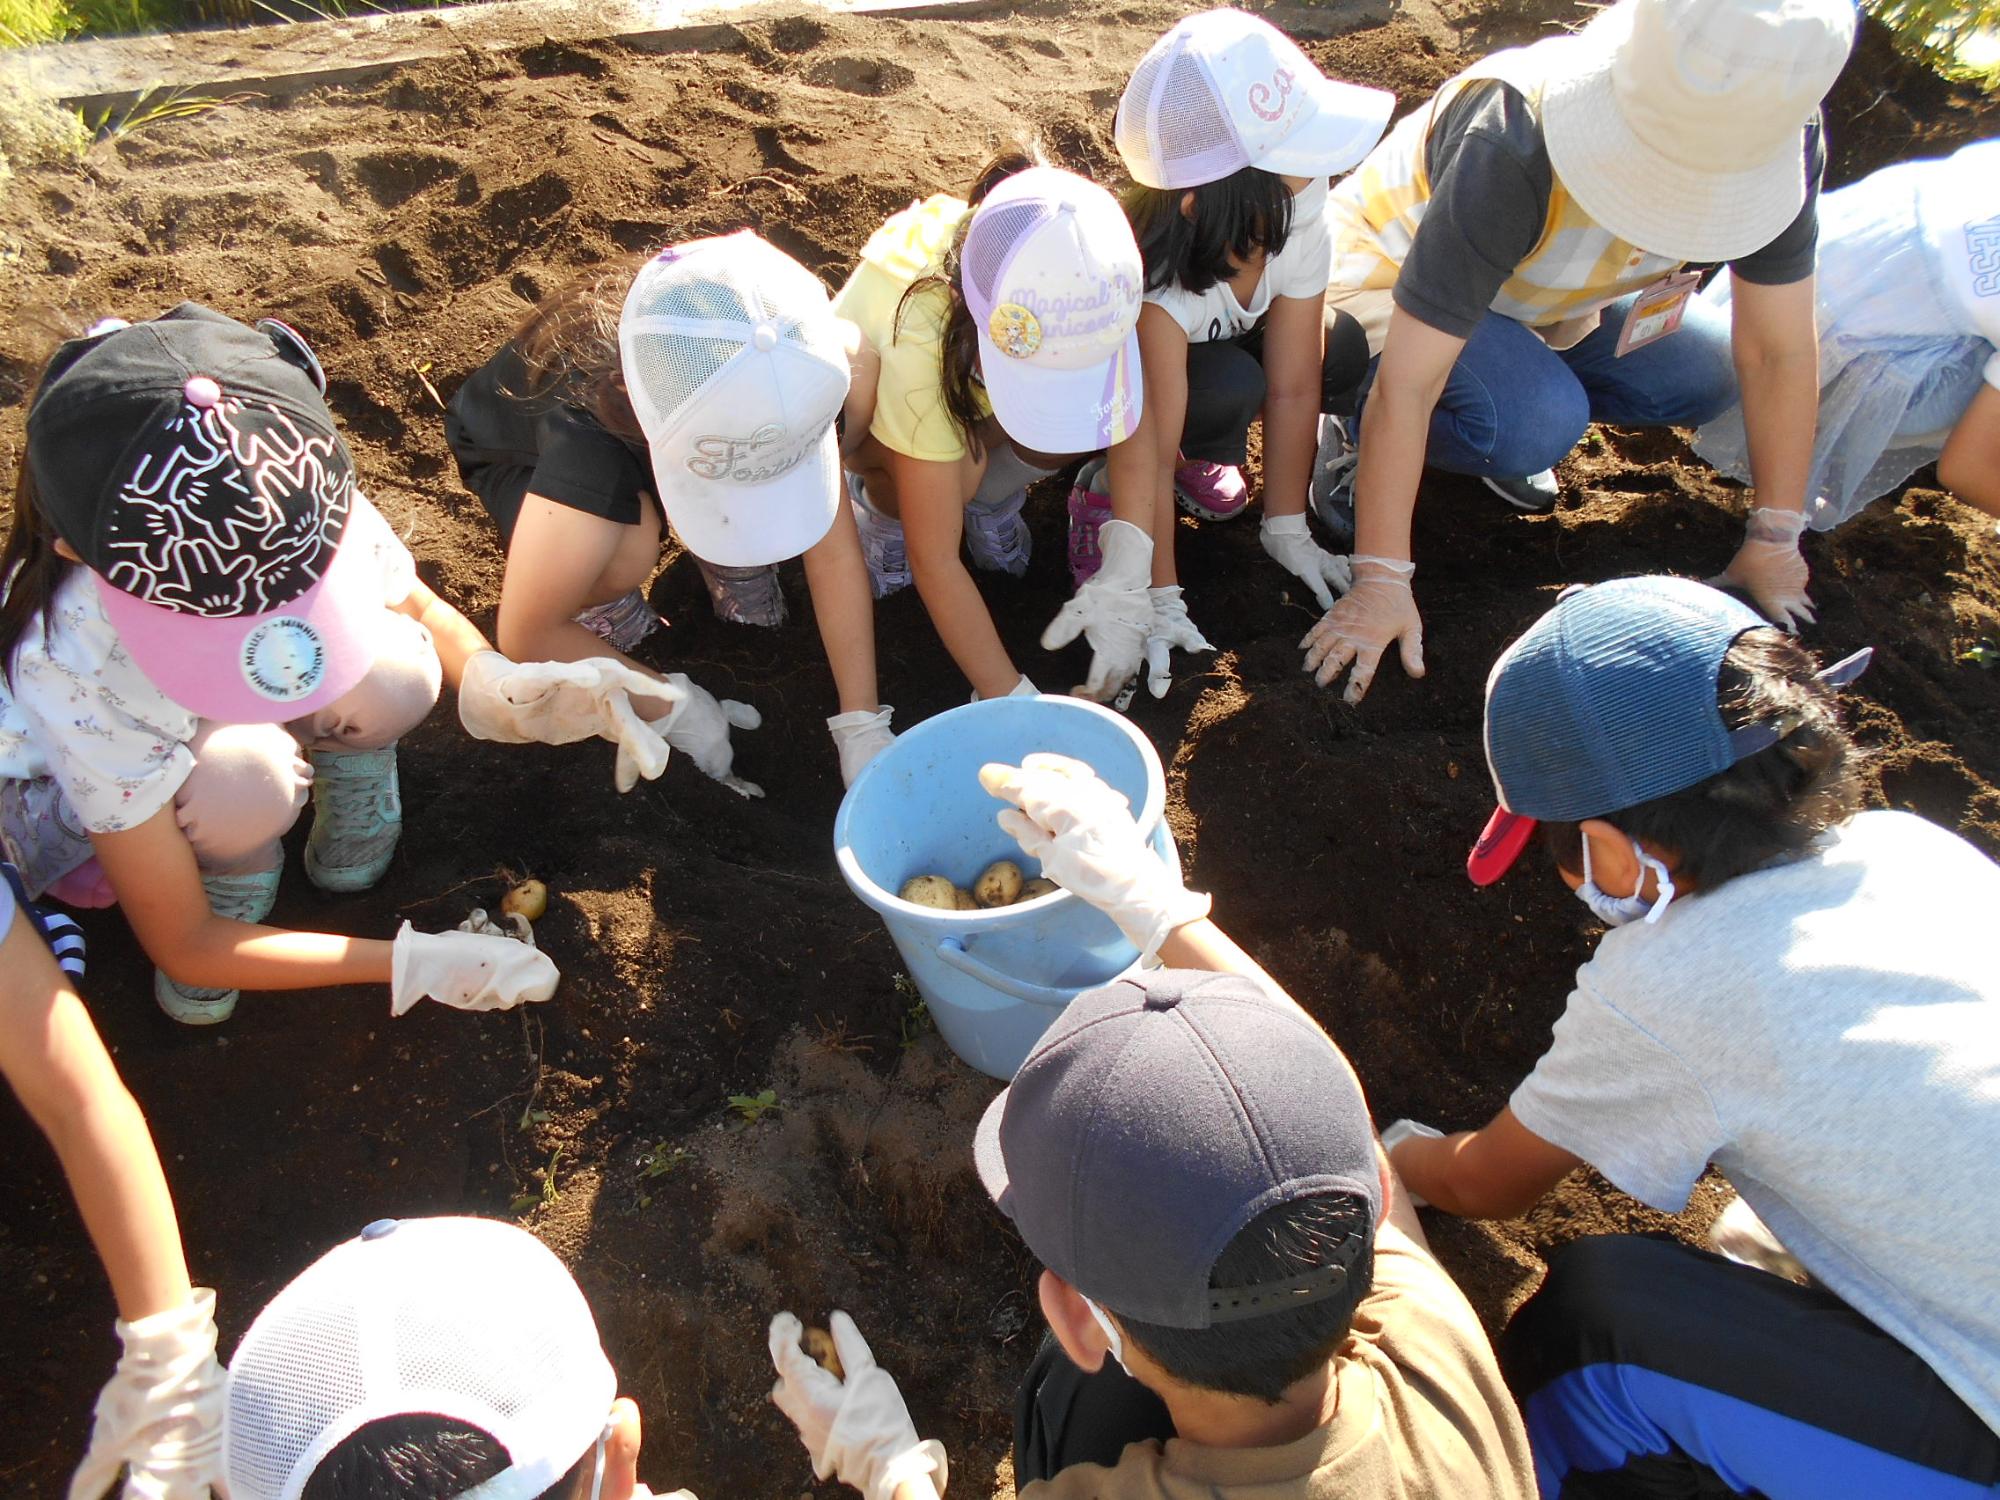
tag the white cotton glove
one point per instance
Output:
(466, 970)
(860, 737)
(1769, 568)
(561, 702)
(1082, 832)
(1289, 542)
(1171, 630)
(1021, 689)
(1113, 611)
(160, 1417)
(1400, 1132)
(698, 726)
(857, 1429)
(1380, 609)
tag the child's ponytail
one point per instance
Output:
(959, 351)
(30, 568)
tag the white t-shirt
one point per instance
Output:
(1827, 1032)
(1301, 269)
(76, 707)
(1958, 204)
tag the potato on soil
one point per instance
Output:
(528, 899)
(965, 900)
(819, 1344)
(1041, 885)
(999, 884)
(930, 890)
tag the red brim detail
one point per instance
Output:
(1500, 844)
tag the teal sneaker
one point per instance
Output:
(241, 898)
(357, 818)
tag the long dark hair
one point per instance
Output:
(30, 570)
(569, 350)
(959, 349)
(1247, 211)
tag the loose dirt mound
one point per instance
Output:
(709, 946)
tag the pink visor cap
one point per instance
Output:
(1054, 282)
(192, 464)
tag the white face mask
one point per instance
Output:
(1308, 203)
(1111, 1334)
(1616, 911)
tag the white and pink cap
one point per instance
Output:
(1224, 90)
(193, 466)
(1054, 282)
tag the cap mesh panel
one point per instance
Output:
(1175, 105)
(992, 240)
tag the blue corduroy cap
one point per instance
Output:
(1608, 701)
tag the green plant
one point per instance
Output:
(1957, 37)
(753, 1107)
(916, 1017)
(659, 1160)
(549, 1196)
(155, 106)
(29, 23)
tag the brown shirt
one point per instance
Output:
(1422, 1415)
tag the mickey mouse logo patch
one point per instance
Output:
(1016, 332)
(284, 659)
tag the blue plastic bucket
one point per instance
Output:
(994, 980)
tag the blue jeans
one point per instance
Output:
(1514, 406)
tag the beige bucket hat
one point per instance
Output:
(1678, 124)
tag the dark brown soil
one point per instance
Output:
(709, 946)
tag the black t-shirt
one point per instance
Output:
(1491, 180)
(508, 446)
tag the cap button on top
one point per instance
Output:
(379, 1229)
(765, 338)
(1157, 1001)
(201, 391)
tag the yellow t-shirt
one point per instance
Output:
(1423, 1415)
(910, 415)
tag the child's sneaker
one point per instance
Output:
(997, 537)
(357, 817)
(1214, 492)
(1089, 509)
(744, 596)
(881, 542)
(240, 898)
(623, 623)
(1331, 496)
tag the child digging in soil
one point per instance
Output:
(1909, 321)
(1230, 133)
(707, 392)
(198, 604)
(1004, 321)
(1239, 1300)
(161, 1412)
(1804, 995)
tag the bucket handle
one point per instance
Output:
(952, 952)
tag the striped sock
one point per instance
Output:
(58, 928)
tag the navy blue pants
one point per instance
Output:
(1649, 1369)
(1226, 387)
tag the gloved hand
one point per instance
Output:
(466, 970)
(1113, 611)
(560, 702)
(698, 726)
(1171, 629)
(1379, 609)
(856, 1429)
(1770, 570)
(860, 737)
(1021, 689)
(1083, 833)
(1289, 542)
(160, 1417)
(1400, 1132)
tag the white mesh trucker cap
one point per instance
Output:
(1224, 90)
(1054, 282)
(736, 369)
(468, 1319)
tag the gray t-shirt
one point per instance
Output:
(1827, 1032)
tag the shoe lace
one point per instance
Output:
(998, 536)
(360, 789)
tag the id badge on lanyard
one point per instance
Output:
(1656, 312)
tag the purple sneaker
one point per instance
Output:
(1089, 509)
(1214, 492)
(997, 537)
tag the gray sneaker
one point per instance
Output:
(881, 542)
(744, 596)
(623, 623)
(241, 898)
(1534, 494)
(1332, 493)
(997, 537)
(357, 818)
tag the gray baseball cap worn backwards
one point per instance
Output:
(1157, 1118)
(1609, 700)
